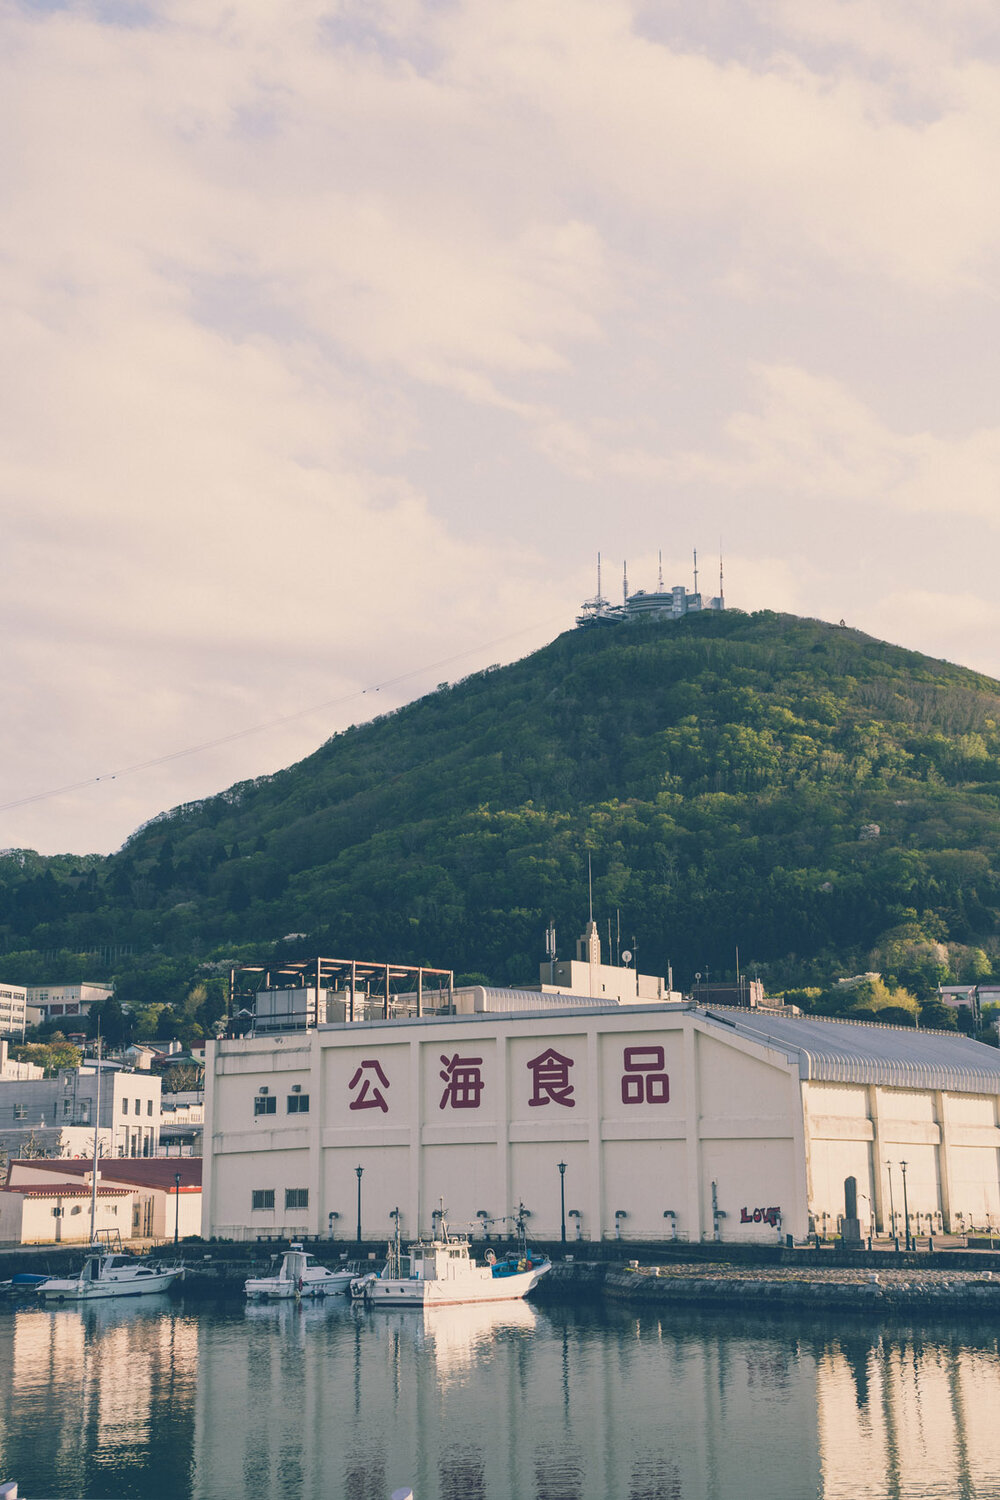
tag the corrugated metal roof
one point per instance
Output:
(859, 1052)
(500, 1001)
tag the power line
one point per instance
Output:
(301, 713)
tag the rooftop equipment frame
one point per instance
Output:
(402, 988)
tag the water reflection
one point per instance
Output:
(327, 1401)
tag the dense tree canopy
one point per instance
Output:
(826, 802)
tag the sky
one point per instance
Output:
(339, 338)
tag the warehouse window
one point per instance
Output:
(263, 1105)
(296, 1197)
(262, 1198)
(124, 1106)
(298, 1104)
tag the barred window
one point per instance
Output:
(262, 1198)
(296, 1197)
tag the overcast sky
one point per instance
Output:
(339, 338)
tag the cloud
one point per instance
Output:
(338, 338)
(808, 435)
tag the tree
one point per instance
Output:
(183, 1078)
(48, 1055)
(113, 1023)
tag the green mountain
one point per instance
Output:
(819, 798)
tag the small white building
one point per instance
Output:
(58, 1002)
(58, 1114)
(588, 974)
(13, 1010)
(161, 1196)
(13, 1071)
(657, 1121)
(43, 1213)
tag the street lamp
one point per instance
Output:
(177, 1207)
(562, 1200)
(892, 1206)
(360, 1171)
(906, 1210)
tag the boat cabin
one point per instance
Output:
(436, 1260)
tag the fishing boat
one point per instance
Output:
(108, 1270)
(110, 1275)
(440, 1272)
(297, 1278)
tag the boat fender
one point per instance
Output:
(298, 1285)
(522, 1265)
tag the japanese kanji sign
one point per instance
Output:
(463, 1082)
(644, 1081)
(369, 1075)
(550, 1079)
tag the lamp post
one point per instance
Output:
(906, 1209)
(177, 1207)
(562, 1200)
(892, 1206)
(360, 1172)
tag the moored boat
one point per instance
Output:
(296, 1277)
(440, 1272)
(110, 1275)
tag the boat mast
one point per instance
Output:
(97, 1126)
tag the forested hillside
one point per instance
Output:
(828, 802)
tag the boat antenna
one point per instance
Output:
(97, 1127)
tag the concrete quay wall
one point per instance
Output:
(914, 1289)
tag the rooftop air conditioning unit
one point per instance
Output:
(296, 1088)
(264, 1090)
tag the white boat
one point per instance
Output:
(107, 1271)
(297, 1278)
(114, 1275)
(440, 1272)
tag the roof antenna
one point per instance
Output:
(722, 595)
(660, 574)
(598, 577)
(590, 888)
(696, 570)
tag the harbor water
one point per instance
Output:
(167, 1400)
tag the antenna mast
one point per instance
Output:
(722, 595)
(696, 570)
(660, 574)
(624, 582)
(97, 1127)
(598, 578)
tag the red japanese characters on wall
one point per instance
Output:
(644, 1080)
(463, 1080)
(369, 1079)
(550, 1080)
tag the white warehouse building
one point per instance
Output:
(656, 1121)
